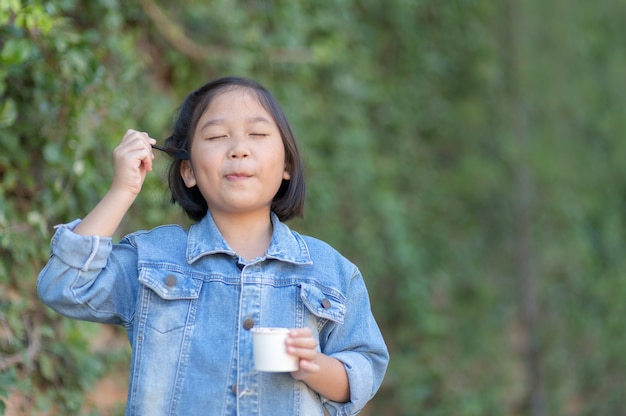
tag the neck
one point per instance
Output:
(248, 234)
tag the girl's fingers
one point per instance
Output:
(307, 342)
(309, 366)
(138, 146)
(300, 332)
(133, 159)
(300, 343)
(134, 139)
(304, 353)
(130, 134)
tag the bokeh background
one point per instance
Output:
(467, 155)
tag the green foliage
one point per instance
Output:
(415, 119)
(59, 102)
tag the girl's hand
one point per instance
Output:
(132, 160)
(324, 374)
(301, 343)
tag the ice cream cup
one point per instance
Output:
(270, 351)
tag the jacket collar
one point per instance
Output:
(204, 239)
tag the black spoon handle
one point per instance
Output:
(177, 153)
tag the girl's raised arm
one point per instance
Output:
(132, 161)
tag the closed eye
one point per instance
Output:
(215, 137)
(259, 134)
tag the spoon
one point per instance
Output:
(177, 153)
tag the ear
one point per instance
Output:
(286, 174)
(186, 172)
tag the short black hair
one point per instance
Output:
(288, 201)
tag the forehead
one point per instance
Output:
(235, 103)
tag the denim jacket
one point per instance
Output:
(188, 302)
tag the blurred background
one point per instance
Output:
(467, 155)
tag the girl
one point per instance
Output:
(189, 298)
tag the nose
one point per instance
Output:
(239, 148)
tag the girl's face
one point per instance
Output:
(237, 156)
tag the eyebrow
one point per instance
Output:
(220, 121)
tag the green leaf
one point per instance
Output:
(15, 51)
(8, 112)
(8, 7)
(46, 367)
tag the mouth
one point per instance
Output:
(238, 176)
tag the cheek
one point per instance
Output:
(279, 163)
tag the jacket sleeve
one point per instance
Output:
(359, 344)
(89, 278)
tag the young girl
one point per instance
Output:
(189, 298)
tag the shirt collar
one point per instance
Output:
(205, 239)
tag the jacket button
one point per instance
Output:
(234, 389)
(326, 303)
(170, 280)
(248, 323)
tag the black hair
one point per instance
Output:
(288, 201)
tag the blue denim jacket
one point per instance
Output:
(187, 301)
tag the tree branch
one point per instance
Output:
(34, 345)
(176, 36)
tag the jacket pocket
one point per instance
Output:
(169, 299)
(323, 302)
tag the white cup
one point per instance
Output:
(270, 351)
